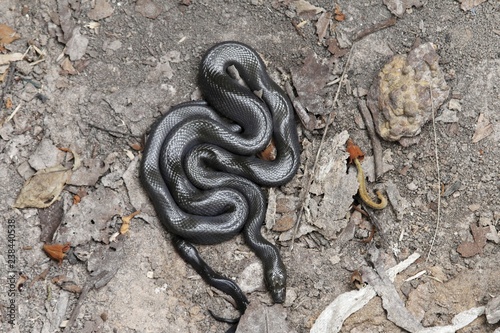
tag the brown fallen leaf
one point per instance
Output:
(469, 249)
(126, 221)
(136, 146)
(339, 16)
(63, 282)
(484, 128)
(8, 103)
(334, 48)
(284, 223)
(67, 67)
(57, 251)
(7, 35)
(43, 188)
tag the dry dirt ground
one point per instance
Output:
(128, 62)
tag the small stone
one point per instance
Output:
(493, 235)
(474, 207)
(24, 67)
(150, 274)
(485, 221)
(412, 186)
(251, 279)
(493, 310)
(454, 104)
(448, 116)
(101, 10)
(114, 45)
(148, 8)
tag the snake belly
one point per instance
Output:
(200, 169)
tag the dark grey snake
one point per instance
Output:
(200, 168)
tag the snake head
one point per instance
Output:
(276, 284)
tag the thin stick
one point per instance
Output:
(438, 218)
(111, 131)
(376, 145)
(376, 27)
(13, 113)
(313, 171)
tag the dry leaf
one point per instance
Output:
(67, 66)
(339, 16)
(322, 25)
(61, 281)
(76, 199)
(8, 103)
(305, 8)
(7, 35)
(354, 151)
(43, 188)
(483, 128)
(57, 251)
(5, 59)
(284, 223)
(469, 249)
(126, 221)
(357, 280)
(136, 146)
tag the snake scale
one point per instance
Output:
(200, 169)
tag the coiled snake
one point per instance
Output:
(200, 168)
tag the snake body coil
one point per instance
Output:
(200, 170)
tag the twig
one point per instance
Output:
(13, 113)
(438, 218)
(79, 303)
(376, 27)
(331, 115)
(8, 81)
(112, 132)
(376, 145)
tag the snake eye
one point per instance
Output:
(276, 283)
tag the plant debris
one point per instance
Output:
(57, 251)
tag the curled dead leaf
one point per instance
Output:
(57, 251)
(77, 161)
(339, 16)
(357, 280)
